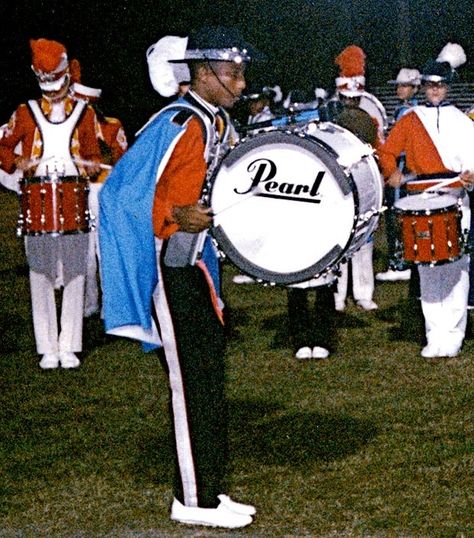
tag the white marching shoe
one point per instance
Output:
(392, 276)
(304, 353)
(367, 305)
(430, 351)
(238, 508)
(49, 361)
(320, 352)
(222, 516)
(68, 360)
(434, 350)
(243, 279)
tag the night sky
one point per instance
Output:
(300, 39)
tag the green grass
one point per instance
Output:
(374, 442)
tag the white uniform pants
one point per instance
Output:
(45, 255)
(45, 321)
(444, 291)
(91, 304)
(444, 295)
(362, 276)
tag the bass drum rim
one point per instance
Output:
(328, 158)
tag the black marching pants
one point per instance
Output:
(194, 345)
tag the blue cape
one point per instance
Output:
(127, 243)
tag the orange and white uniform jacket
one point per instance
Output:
(22, 128)
(435, 140)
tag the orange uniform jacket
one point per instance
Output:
(182, 179)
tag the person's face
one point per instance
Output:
(222, 83)
(405, 91)
(60, 94)
(350, 102)
(257, 106)
(435, 92)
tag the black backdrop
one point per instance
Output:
(300, 39)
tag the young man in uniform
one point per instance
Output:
(153, 229)
(437, 140)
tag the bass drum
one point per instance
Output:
(290, 206)
(374, 108)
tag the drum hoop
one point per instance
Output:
(426, 212)
(58, 179)
(85, 230)
(270, 276)
(345, 181)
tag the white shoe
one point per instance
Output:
(238, 508)
(304, 353)
(222, 516)
(340, 306)
(49, 361)
(367, 305)
(392, 276)
(320, 352)
(68, 360)
(243, 279)
(430, 351)
(449, 351)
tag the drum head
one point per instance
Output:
(284, 209)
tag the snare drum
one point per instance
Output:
(290, 206)
(54, 205)
(430, 228)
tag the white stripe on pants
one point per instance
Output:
(362, 276)
(93, 256)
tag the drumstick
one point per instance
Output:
(433, 188)
(257, 189)
(92, 163)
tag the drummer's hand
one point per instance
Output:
(92, 169)
(192, 218)
(23, 164)
(395, 179)
(467, 179)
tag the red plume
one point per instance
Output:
(351, 62)
(75, 70)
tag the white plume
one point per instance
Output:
(278, 94)
(320, 93)
(164, 75)
(453, 54)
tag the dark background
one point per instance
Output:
(300, 39)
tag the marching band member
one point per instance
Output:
(55, 132)
(151, 219)
(437, 139)
(113, 144)
(350, 87)
(407, 83)
(259, 108)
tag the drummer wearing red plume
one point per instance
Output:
(55, 133)
(437, 140)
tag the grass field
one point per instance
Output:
(374, 442)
